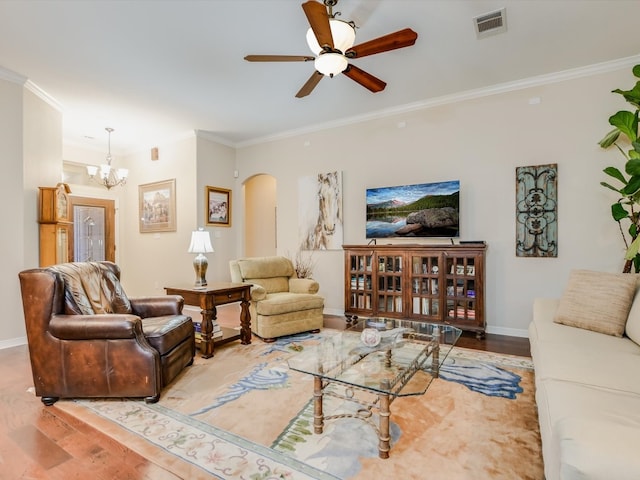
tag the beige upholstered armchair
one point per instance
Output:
(281, 304)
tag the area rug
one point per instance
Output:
(244, 414)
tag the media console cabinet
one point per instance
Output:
(429, 283)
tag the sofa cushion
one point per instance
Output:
(279, 303)
(599, 448)
(165, 333)
(589, 362)
(566, 409)
(598, 301)
(543, 332)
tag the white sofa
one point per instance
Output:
(587, 382)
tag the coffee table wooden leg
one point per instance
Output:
(208, 317)
(206, 334)
(245, 323)
(384, 437)
(318, 416)
(435, 362)
(435, 356)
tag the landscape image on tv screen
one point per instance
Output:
(420, 210)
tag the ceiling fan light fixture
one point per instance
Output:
(337, 50)
(331, 64)
(343, 33)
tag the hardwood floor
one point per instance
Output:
(496, 343)
(38, 442)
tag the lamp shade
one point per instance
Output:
(123, 172)
(200, 242)
(330, 64)
(343, 37)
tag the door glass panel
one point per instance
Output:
(89, 233)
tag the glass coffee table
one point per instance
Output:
(380, 357)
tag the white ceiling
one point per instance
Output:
(154, 70)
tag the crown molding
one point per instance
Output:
(208, 135)
(36, 90)
(11, 76)
(539, 80)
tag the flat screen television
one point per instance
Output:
(419, 210)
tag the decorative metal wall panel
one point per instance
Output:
(537, 211)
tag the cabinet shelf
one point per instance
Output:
(432, 283)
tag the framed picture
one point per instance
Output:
(218, 206)
(157, 206)
(320, 224)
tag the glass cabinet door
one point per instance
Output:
(390, 291)
(425, 286)
(360, 282)
(461, 289)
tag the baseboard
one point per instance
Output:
(511, 332)
(13, 342)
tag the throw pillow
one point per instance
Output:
(632, 329)
(597, 301)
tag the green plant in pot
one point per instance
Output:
(624, 137)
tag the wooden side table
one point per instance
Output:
(214, 294)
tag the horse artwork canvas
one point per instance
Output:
(320, 211)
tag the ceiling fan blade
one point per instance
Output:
(319, 21)
(399, 39)
(278, 58)
(308, 87)
(365, 79)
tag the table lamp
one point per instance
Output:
(200, 244)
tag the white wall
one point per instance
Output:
(479, 141)
(31, 149)
(259, 216)
(152, 261)
(18, 224)
(42, 159)
(216, 164)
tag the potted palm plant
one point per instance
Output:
(624, 137)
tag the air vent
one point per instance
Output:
(491, 23)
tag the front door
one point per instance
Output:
(93, 229)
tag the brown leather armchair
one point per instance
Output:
(87, 339)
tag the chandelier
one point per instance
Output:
(109, 177)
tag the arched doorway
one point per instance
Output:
(260, 237)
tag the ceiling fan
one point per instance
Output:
(331, 42)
